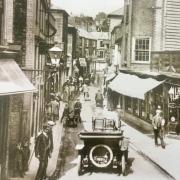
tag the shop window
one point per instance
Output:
(101, 44)
(128, 104)
(174, 95)
(94, 43)
(135, 106)
(86, 43)
(87, 52)
(100, 54)
(80, 41)
(121, 101)
(174, 113)
(142, 109)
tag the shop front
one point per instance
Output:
(136, 97)
(174, 107)
(13, 127)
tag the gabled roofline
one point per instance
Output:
(59, 11)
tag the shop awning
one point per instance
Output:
(12, 79)
(133, 86)
(110, 76)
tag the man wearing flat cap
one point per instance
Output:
(42, 152)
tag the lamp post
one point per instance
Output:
(55, 55)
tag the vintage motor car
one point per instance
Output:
(100, 149)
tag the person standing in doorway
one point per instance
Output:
(26, 153)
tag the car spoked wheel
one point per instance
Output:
(123, 166)
(101, 155)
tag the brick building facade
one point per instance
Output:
(87, 48)
(24, 29)
(61, 40)
(72, 48)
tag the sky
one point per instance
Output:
(88, 7)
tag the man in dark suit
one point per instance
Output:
(42, 152)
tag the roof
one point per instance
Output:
(118, 12)
(100, 35)
(85, 34)
(55, 49)
(56, 8)
(93, 35)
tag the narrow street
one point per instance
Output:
(140, 167)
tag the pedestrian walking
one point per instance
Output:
(162, 132)
(124, 145)
(158, 127)
(85, 89)
(54, 109)
(50, 134)
(48, 110)
(99, 98)
(42, 152)
(65, 113)
(77, 109)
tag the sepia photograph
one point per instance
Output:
(89, 89)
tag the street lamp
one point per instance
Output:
(55, 55)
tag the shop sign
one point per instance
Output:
(82, 62)
(174, 95)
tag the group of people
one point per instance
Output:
(71, 113)
(52, 108)
(44, 140)
(74, 85)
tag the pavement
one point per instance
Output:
(34, 162)
(167, 159)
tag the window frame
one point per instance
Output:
(101, 44)
(134, 49)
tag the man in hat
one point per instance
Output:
(54, 109)
(156, 123)
(50, 134)
(124, 145)
(77, 108)
(99, 98)
(65, 113)
(42, 152)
